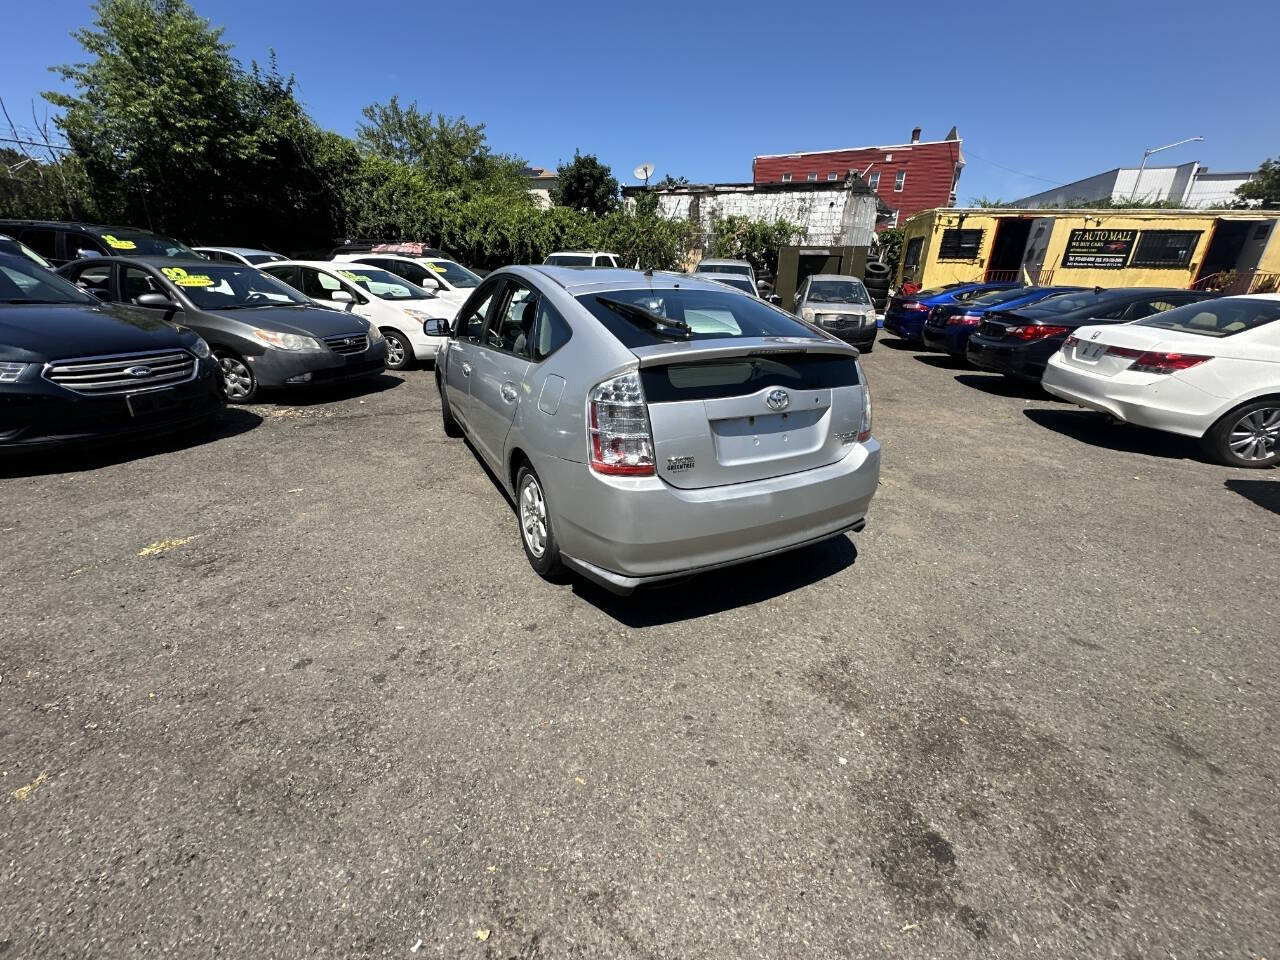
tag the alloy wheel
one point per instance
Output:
(236, 377)
(395, 352)
(533, 516)
(1255, 435)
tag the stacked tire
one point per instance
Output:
(875, 277)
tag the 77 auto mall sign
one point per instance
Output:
(1099, 249)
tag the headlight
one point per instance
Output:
(374, 333)
(287, 341)
(200, 348)
(807, 313)
(11, 371)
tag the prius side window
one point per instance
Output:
(551, 331)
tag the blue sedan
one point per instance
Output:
(906, 315)
(949, 327)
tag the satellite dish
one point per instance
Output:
(643, 172)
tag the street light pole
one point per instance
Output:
(1146, 155)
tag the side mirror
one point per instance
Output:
(436, 327)
(155, 301)
(775, 299)
(87, 254)
(341, 296)
(762, 285)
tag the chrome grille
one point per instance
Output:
(348, 342)
(122, 373)
(842, 320)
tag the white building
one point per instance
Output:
(1187, 185)
(541, 182)
(828, 213)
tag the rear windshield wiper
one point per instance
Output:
(667, 326)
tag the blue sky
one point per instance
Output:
(1042, 93)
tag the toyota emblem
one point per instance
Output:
(138, 371)
(777, 399)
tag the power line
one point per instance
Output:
(1020, 173)
(34, 143)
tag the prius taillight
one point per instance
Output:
(619, 440)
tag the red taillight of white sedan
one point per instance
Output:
(1151, 361)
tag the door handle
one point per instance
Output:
(466, 369)
(508, 393)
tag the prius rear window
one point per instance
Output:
(740, 376)
(709, 314)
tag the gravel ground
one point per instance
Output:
(290, 689)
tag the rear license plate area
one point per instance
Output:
(150, 404)
(1090, 352)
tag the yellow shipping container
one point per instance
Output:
(1236, 251)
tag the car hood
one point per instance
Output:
(39, 332)
(306, 321)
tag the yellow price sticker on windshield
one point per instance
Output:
(436, 267)
(184, 279)
(354, 277)
(116, 243)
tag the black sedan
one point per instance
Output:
(75, 369)
(263, 333)
(1019, 342)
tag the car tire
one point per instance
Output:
(1248, 436)
(239, 384)
(451, 426)
(399, 350)
(875, 269)
(537, 531)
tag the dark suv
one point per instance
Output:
(62, 241)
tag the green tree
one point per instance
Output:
(157, 118)
(1264, 186)
(889, 247)
(741, 238)
(44, 189)
(451, 153)
(586, 184)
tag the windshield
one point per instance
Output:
(21, 281)
(708, 314)
(455, 273)
(838, 291)
(741, 283)
(139, 243)
(1069, 303)
(228, 286)
(382, 284)
(705, 267)
(996, 297)
(1216, 318)
(568, 260)
(18, 249)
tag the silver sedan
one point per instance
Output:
(649, 426)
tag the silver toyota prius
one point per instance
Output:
(650, 426)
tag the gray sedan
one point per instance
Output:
(649, 426)
(263, 333)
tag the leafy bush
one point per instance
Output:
(741, 238)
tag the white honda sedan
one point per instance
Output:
(1209, 369)
(394, 305)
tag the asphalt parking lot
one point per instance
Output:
(290, 689)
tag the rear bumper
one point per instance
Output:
(1169, 404)
(952, 340)
(1025, 360)
(908, 326)
(627, 532)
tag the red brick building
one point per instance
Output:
(908, 177)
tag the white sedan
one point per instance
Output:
(449, 281)
(394, 305)
(1209, 369)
